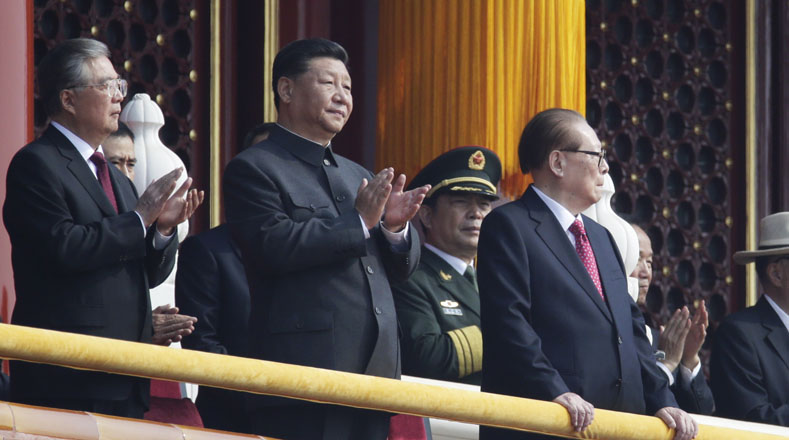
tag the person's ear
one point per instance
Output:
(425, 214)
(775, 274)
(285, 89)
(68, 101)
(556, 163)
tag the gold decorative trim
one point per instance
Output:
(750, 148)
(446, 182)
(215, 112)
(270, 49)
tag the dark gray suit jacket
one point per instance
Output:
(211, 285)
(78, 265)
(749, 368)
(320, 293)
(545, 328)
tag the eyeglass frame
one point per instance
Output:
(120, 86)
(600, 154)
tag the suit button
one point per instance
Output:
(299, 325)
(370, 270)
(340, 198)
(619, 340)
(378, 311)
(619, 383)
(326, 162)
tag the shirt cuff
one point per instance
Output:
(687, 374)
(395, 238)
(364, 228)
(142, 223)
(668, 373)
(160, 241)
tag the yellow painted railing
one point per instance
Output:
(313, 384)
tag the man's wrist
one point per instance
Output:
(395, 229)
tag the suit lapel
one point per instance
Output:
(777, 334)
(79, 168)
(456, 287)
(556, 240)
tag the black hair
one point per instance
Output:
(259, 130)
(293, 59)
(122, 131)
(547, 131)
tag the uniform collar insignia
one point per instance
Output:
(445, 276)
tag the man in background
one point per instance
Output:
(438, 307)
(85, 249)
(677, 344)
(749, 367)
(119, 150)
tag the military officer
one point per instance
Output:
(438, 306)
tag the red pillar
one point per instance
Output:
(16, 115)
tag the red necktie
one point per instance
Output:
(104, 177)
(584, 251)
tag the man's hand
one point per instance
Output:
(152, 201)
(169, 326)
(695, 338)
(684, 425)
(372, 196)
(581, 411)
(402, 206)
(178, 208)
(672, 338)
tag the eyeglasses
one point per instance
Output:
(111, 87)
(600, 154)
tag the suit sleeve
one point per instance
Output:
(38, 211)
(159, 263)
(737, 382)
(399, 264)
(197, 294)
(272, 239)
(427, 351)
(513, 350)
(657, 394)
(694, 396)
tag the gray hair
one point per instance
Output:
(65, 66)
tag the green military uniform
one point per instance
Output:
(438, 308)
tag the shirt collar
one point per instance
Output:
(779, 311)
(562, 214)
(84, 149)
(301, 147)
(456, 263)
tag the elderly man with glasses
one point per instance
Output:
(557, 321)
(85, 249)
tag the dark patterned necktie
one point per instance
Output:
(584, 250)
(104, 177)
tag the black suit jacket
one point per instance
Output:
(694, 396)
(749, 367)
(211, 285)
(78, 265)
(545, 328)
(320, 293)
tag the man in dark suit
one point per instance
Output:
(211, 285)
(557, 321)
(85, 250)
(677, 344)
(320, 238)
(749, 368)
(438, 307)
